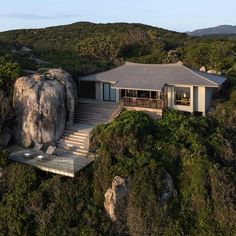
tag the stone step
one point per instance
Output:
(90, 121)
(82, 131)
(92, 114)
(75, 134)
(88, 107)
(90, 118)
(72, 141)
(73, 137)
(105, 106)
(77, 152)
(67, 145)
(97, 104)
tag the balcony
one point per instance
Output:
(144, 102)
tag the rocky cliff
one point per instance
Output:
(44, 104)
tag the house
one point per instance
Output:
(152, 87)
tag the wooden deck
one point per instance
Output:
(63, 163)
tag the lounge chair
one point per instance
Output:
(50, 151)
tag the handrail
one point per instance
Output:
(158, 104)
(144, 102)
(117, 110)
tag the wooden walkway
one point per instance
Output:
(64, 163)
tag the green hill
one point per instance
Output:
(197, 153)
(84, 47)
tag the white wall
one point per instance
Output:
(201, 100)
(117, 95)
(171, 99)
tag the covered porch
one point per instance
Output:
(144, 98)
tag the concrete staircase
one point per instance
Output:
(75, 139)
(93, 112)
(89, 113)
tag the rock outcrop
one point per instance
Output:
(203, 69)
(44, 105)
(168, 191)
(116, 198)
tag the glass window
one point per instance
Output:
(112, 94)
(154, 95)
(106, 92)
(131, 93)
(182, 96)
(109, 94)
(143, 94)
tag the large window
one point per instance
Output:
(182, 96)
(143, 94)
(109, 94)
(131, 93)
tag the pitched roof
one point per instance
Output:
(155, 76)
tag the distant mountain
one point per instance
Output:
(218, 30)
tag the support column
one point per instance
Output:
(192, 99)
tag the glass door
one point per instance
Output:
(109, 94)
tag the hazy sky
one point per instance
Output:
(179, 15)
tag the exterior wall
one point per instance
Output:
(195, 97)
(170, 95)
(201, 104)
(171, 99)
(201, 97)
(118, 93)
(98, 90)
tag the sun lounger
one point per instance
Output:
(50, 151)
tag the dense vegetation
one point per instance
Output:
(84, 48)
(199, 153)
(9, 72)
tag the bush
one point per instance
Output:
(4, 158)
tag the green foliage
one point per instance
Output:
(197, 152)
(9, 71)
(85, 48)
(4, 155)
(216, 55)
(18, 182)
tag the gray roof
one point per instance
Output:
(155, 76)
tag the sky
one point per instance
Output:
(177, 15)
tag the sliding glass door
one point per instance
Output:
(109, 94)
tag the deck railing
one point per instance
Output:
(117, 110)
(137, 102)
(144, 102)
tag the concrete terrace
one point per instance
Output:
(72, 152)
(63, 163)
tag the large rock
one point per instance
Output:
(168, 190)
(44, 104)
(116, 198)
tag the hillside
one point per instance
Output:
(85, 47)
(177, 174)
(218, 30)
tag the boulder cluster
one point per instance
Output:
(44, 104)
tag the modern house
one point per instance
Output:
(153, 87)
